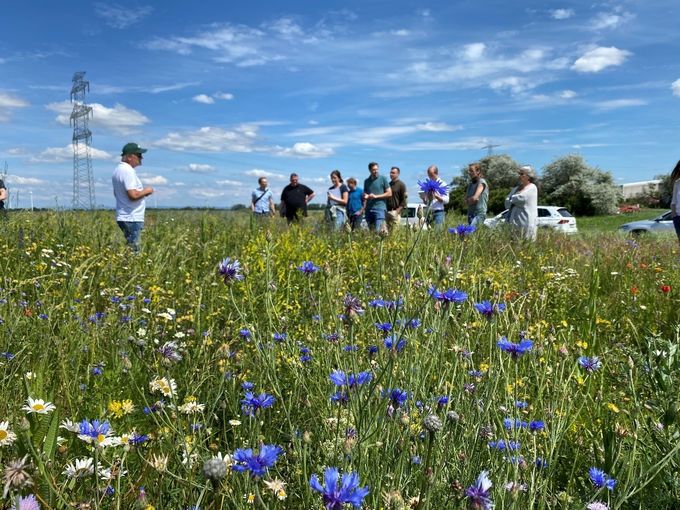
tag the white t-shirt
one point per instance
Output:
(125, 178)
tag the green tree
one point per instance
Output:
(570, 182)
(500, 172)
(665, 192)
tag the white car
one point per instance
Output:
(663, 223)
(549, 216)
(413, 215)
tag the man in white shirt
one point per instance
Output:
(130, 194)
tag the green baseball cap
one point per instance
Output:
(132, 148)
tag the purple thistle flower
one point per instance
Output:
(251, 403)
(27, 503)
(230, 270)
(352, 306)
(515, 350)
(245, 459)
(433, 186)
(308, 268)
(590, 364)
(478, 493)
(338, 492)
(170, 351)
(488, 310)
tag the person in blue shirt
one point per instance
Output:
(355, 203)
(376, 192)
(262, 200)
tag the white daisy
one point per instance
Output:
(7, 437)
(166, 386)
(191, 408)
(38, 406)
(79, 468)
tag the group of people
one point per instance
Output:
(380, 202)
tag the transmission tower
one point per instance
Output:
(83, 181)
(490, 147)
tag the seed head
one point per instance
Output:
(432, 423)
(214, 469)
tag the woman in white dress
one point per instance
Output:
(523, 204)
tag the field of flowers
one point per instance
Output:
(227, 366)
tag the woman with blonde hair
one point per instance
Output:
(522, 203)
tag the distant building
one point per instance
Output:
(636, 189)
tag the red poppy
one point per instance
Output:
(665, 289)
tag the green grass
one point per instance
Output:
(90, 326)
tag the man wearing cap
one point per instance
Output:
(130, 194)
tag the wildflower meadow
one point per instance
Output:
(230, 365)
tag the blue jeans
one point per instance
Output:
(339, 219)
(676, 224)
(476, 220)
(132, 230)
(436, 218)
(375, 219)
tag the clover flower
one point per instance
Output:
(230, 270)
(245, 460)
(601, 479)
(432, 187)
(488, 310)
(590, 364)
(338, 492)
(515, 350)
(252, 403)
(478, 493)
(308, 268)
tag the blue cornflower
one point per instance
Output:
(247, 386)
(541, 463)
(462, 230)
(515, 350)
(414, 323)
(393, 305)
(136, 439)
(478, 493)
(448, 296)
(521, 404)
(509, 423)
(251, 403)
(246, 460)
(415, 459)
(339, 378)
(488, 310)
(442, 401)
(503, 445)
(377, 303)
(94, 428)
(279, 337)
(477, 374)
(394, 343)
(230, 270)
(305, 354)
(398, 397)
(340, 397)
(350, 348)
(433, 186)
(245, 333)
(338, 492)
(308, 268)
(372, 349)
(590, 364)
(536, 426)
(384, 326)
(333, 337)
(7, 355)
(601, 479)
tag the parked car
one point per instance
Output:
(549, 216)
(663, 223)
(412, 215)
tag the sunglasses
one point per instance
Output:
(139, 156)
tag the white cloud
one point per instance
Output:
(202, 98)
(206, 193)
(568, 94)
(117, 16)
(606, 20)
(10, 102)
(562, 13)
(600, 58)
(306, 150)
(152, 180)
(256, 172)
(436, 127)
(401, 32)
(675, 87)
(212, 139)
(226, 96)
(61, 154)
(474, 51)
(287, 28)
(619, 103)
(227, 182)
(119, 119)
(200, 168)
(24, 181)
(515, 84)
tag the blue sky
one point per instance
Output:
(223, 92)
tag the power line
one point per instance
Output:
(490, 148)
